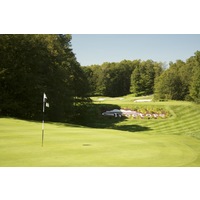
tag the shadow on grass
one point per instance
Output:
(94, 119)
(132, 128)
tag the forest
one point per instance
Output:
(33, 64)
(179, 81)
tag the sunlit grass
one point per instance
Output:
(174, 141)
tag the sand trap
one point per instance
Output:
(143, 100)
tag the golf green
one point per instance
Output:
(70, 145)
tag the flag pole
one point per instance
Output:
(45, 104)
(43, 109)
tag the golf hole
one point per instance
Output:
(86, 144)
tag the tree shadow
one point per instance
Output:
(94, 119)
(132, 128)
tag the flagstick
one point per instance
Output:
(43, 131)
(43, 109)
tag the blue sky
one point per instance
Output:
(98, 48)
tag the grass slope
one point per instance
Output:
(126, 142)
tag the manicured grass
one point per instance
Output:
(174, 141)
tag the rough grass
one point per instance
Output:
(106, 141)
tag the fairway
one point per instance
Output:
(167, 142)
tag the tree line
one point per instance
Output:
(180, 81)
(33, 64)
(122, 78)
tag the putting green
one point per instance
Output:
(65, 145)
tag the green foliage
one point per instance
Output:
(195, 88)
(168, 86)
(110, 79)
(33, 64)
(180, 81)
(144, 76)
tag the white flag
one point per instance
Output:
(45, 97)
(47, 105)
